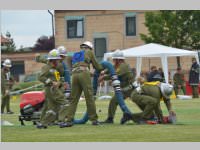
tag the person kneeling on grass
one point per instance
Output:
(147, 97)
(55, 99)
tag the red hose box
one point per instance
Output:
(33, 98)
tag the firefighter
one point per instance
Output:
(125, 76)
(55, 99)
(147, 97)
(63, 68)
(7, 81)
(179, 81)
(81, 81)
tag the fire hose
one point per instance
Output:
(24, 90)
(116, 86)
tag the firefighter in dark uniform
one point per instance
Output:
(194, 78)
(7, 81)
(81, 81)
(125, 76)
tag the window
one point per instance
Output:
(131, 26)
(75, 28)
(100, 48)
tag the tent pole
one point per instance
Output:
(165, 68)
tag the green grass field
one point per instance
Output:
(187, 128)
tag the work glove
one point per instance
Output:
(7, 92)
(139, 90)
(55, 84)
(135, 84)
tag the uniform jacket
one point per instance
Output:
(62, 68)
(7, 81)
(87, 59)
(179, 79)
(194, 74)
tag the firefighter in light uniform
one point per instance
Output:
(125, 76)
(81, 81)
(53, 89)
(147, 97)
(7, 82)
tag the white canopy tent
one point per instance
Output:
(154, 50)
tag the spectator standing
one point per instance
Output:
(194, 78)
(179, 81)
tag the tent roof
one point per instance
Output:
(154, 50)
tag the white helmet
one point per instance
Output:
(62, 50)
(118, 55)
(166, 89)
(54, 54)
(88, 44)
(7, 63)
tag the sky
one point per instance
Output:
(26, 26)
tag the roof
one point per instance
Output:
(155, 50)
(4, 40)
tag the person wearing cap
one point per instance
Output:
(154, 75)
(179, 81)
(55, 99)
(7, 81)
(147, 96)
(194, 78)
(125, 76)
(81, 81)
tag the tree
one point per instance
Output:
(44, 43)
(176, 28)
(9, 46)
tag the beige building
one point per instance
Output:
(108, 30)
(23, 63)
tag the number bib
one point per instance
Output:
(78, 57)
(56, 74)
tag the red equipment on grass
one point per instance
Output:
(30, 106)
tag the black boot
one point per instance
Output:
(108, 120)
(41, 126)
(66, 124)
(126, 117)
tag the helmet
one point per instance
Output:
(118, 55)
(7, 63)
(62, 50)
(54, 54)
(166, 89)
(88, 44)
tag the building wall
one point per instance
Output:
(111, 23)
(30, 64)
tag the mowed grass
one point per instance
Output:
(187, 128)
